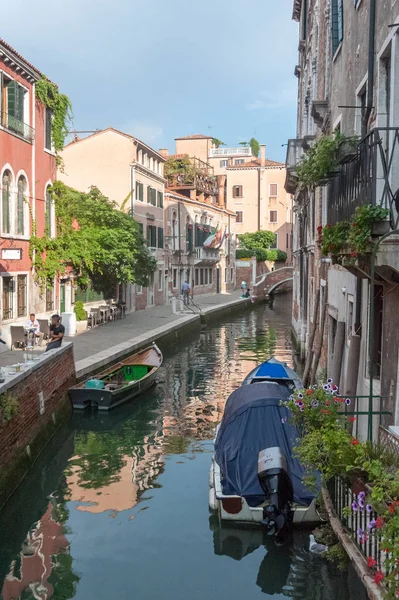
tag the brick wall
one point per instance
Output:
(41, 392)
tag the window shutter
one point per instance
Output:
(49, 118)
(148, 194)
(20, 102)
(12, 99)
(148, 235)
(160, 237)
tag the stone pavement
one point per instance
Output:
(100, 340)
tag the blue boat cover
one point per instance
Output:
(272, 370)
(254, 420)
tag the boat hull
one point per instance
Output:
(302, 515)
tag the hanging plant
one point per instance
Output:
(322, 160)
(362, 226)
(61, 107)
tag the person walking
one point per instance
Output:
(243, 288)
(186, 292)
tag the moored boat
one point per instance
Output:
(274, 370)
(255, 477)
(119, 383)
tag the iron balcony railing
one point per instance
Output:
(372, 177)
(16, 126)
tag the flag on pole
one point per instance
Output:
(210, 240)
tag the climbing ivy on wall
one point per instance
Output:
(61, 107)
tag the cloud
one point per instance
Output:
(146, 131)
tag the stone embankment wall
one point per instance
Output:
(41, 391)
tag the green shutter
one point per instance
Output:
(12, 99)
(160, 237)
(160, 199)
(148, 194)
(141, 193)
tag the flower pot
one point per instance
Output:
(379, 228)
(81, 326)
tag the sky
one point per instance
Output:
(163, 69)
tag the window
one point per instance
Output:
(5, 202)
(237, 191)
(8, 293)
(151, 236)
(160, 279)
(337, 24)
(239, 161)
(139, 289)
(273, 216)
(151, 195)
(20, 205)
(377, 347)
(175, 278)
(49, 298)
(141, 228)
(160, 237)
(206, 276)
(139, 191)
(21, 295)
(13, 107)
(239, 216)
(231, 275)
(196, 276)
(160, 200)
(189, 238)
(49, 207)
(287, 240)
(273, 190)
(349, 318)
(47, 133)
(210, 276)
(274, 245)
(201, 276)
(223, 163)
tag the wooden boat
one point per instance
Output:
(119, 383)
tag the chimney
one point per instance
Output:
(262, 155)
(164, 152)
(221, 179)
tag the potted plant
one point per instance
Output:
(347, 149)
(81, 317)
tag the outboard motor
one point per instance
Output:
(277, 485)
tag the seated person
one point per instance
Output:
(32, 330)
(57, 332)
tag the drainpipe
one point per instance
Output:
(371, 328)
(370, 74)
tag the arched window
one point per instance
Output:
(49, 207)
(5, 202)
(20, 205)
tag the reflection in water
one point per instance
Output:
(60, 541)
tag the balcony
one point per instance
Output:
(371, 177)
(294, 156)
(237, 151)
(206, 256)
(16, 126)
(190, 181)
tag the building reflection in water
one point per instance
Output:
(43, 556)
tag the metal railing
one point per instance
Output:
(343, 495)
(199, 182)
(236, 151)
(209, 254)
(372, 177)
(16, 126)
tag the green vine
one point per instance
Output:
(322, 159)
(8, 406)
(61, 107)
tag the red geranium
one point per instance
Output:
(354, 441)
(351, 419)
(379, 523)
(309, 392)
(378, 577)
(371, 562)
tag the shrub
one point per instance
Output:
(261, 254)
(8, 406)
(81, 314)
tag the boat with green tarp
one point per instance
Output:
(119, 383)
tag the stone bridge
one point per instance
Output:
(269, 282)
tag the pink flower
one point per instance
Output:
(378, 577)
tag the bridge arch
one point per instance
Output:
(270, 290)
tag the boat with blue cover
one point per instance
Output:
(255, 476)
(274, 370)
(119, 383)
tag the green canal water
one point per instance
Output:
(117, 505)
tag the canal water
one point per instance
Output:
(117, 505)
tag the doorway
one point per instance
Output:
(150, 290)
(62, 296)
